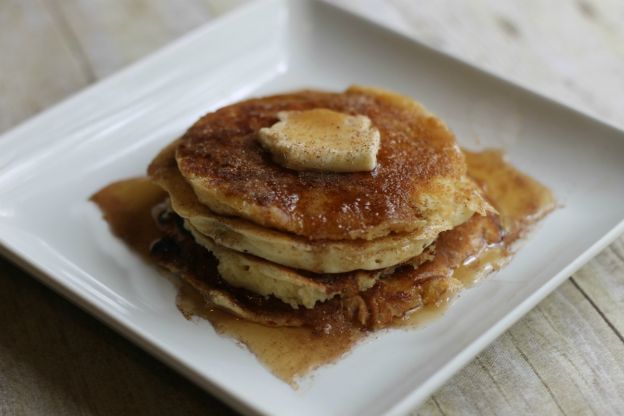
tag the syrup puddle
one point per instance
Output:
(291, 353)
(288, 352)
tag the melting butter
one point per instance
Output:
(322, 140)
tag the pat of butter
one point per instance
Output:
(322, 140)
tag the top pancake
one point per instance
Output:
(419, 180)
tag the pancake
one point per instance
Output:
(319, 256)
(288, 285)
(419, 183)
(291, 286)
(393, 295)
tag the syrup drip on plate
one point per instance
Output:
(293, 352)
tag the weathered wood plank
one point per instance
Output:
(602, 281)
(562, 358)
(570, 50)
(37, 67)
(114, 34)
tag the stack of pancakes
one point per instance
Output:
(319, 249)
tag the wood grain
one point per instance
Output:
(112, 37)
(570, 50)
(565, 357)
(562, 358)
(602, 282)
(38, 66)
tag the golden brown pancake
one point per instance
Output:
(405, 289)
(291, 286)
(419, 180)
(284, 248)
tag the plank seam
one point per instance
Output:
(435, 401)
(491, 377)
(600, 312)
(526, 359)
(616, 252)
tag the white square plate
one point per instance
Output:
(50, 165)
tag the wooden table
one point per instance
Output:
(565, 357)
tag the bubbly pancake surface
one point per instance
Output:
(284, 248)
(419, 180)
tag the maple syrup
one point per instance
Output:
(292, 352)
